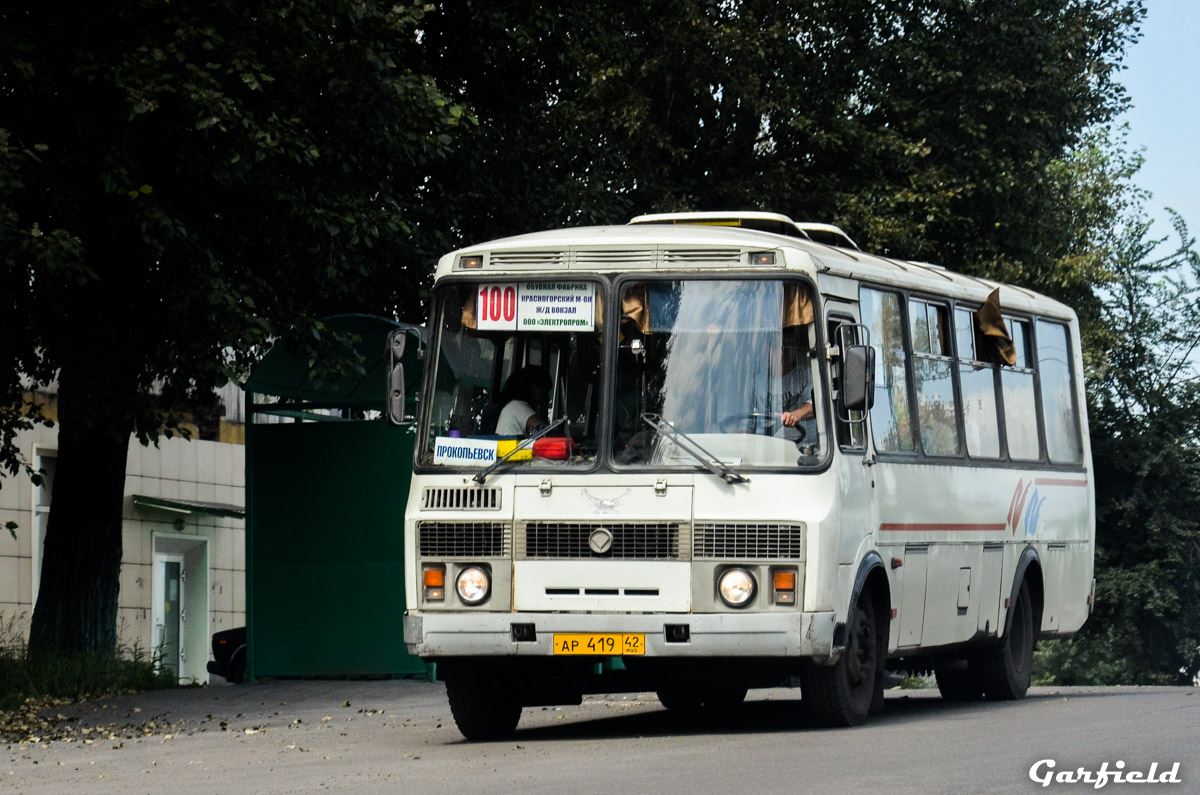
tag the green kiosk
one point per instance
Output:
(326, 485)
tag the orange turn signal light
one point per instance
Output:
(785, 581)
(435, 578)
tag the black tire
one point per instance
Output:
(723, 699)
(237, 669)
(482, 706)
(692, 699)
(1004, 674)
(681, 699)
(842, 694)
(958, 684)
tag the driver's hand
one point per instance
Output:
(793, 418)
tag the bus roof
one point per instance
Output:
(675, 247)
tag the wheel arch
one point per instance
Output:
(1029, 570)
(871, 577)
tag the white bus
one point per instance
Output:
(696, 458)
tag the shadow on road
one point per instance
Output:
(753, 717)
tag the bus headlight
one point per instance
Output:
(473, 585)
(737, 587)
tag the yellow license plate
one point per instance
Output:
(599, 643)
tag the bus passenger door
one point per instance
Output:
(857, 515)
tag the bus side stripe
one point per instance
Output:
(940, 527)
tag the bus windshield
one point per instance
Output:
(513, 359)
(729, 364)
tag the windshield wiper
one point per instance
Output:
(692, 448)
(524, 445)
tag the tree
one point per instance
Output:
(1145, 419)
(880, 116)
(179, 182)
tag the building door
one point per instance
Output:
(169, 579)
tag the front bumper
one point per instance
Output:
(709, 635)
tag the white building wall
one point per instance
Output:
(177, 469)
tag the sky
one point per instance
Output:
(1164, 86)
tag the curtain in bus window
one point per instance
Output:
(1058, 404)
(890, 418)
(994, 342)
(1020, 403)
(977, 380)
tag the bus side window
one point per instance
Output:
(977, 380)
(1020, 402)
(1058, 394)
(850, 435)
(933, 372)
(891, 422)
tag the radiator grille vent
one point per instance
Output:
(464, 539)
(630, 540)
(460, 499)
(746, 541)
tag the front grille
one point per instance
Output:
(460, 499)
(630, 540)
(464, 539)
(747, 541)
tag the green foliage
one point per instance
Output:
(1145, 419)
(24, 677)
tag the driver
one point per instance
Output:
(797, 388)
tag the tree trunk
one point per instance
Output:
(76, 609)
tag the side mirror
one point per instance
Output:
(395, 397)
(858, 378)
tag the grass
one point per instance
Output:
(24, 677)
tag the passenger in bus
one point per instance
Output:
(798, 412)
(523, 398)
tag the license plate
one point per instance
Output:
(599, 643)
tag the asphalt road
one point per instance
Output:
(384, 736)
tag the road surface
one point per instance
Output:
(389, 736)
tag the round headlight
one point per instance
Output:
(737, 587)
(473, 585)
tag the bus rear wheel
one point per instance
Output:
(482, 707)
(958, 684)
(841, 694)
(1005, 673)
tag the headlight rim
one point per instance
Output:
(487, 578)
(753, 593)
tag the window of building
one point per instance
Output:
(46, 462)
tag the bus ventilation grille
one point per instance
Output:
(464, 539)
(632, 257)
(630, 540)
(460, 499)
(702, 256)
(747, 541)
(528, 259)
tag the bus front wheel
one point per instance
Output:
(841, 694)
(482, 706)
